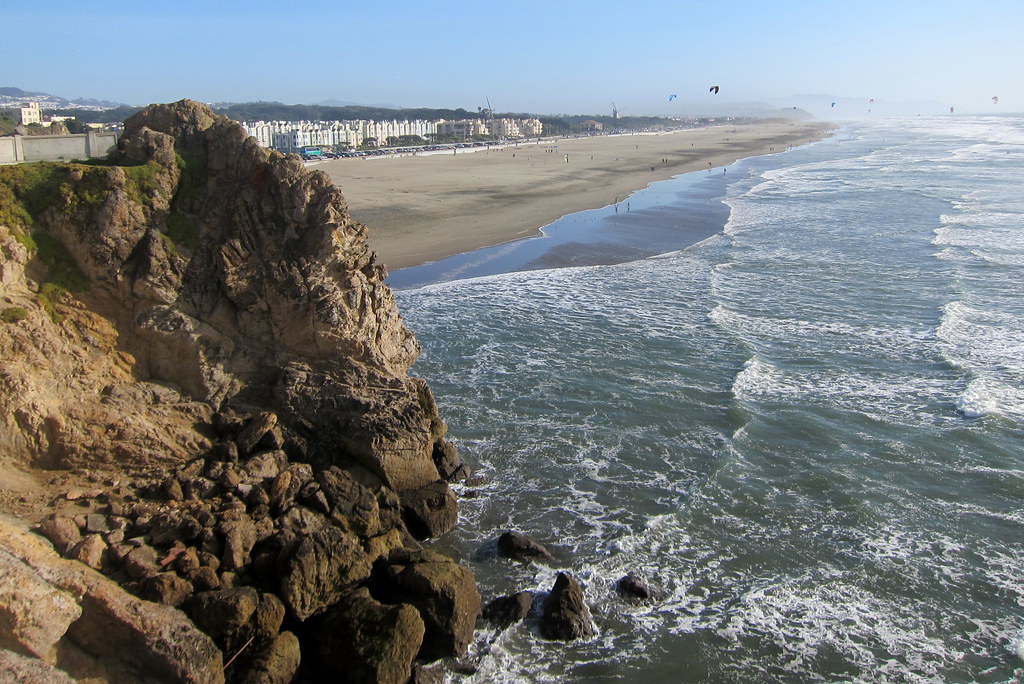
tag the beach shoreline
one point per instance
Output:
(420, 209)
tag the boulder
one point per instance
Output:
(171, 526)
(224, 613)
(239, 537)
(521, 548)
(134, 640)
(19, 669)
(426, 675)
(351, 504)
(150, 641)
(635, 588)
(62, 532)
(444, 593)
(275, 662)
(430, 511)
(34, 614)
(141, 562)
(286, 486)
(166, 588)
(565, 615)
(262, 467)
(362, 640)
(321, 568)
(448, 462)
(203, 578)
(253, 432)
(508, 610)
(92, 551)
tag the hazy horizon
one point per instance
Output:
(574, 57)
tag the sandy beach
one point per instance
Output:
(424, 208)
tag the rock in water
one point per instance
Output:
(508, 610)
(566, 616)
(632, 586)
(520, 547)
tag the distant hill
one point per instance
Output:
(276, 111)
(13, 97)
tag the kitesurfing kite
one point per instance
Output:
(871, 100)
(671, 97)
(713, 89)
(833, 104)
(995, 99)
(950, 110)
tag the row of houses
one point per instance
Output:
(291, 136)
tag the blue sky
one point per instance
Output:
(525, 56)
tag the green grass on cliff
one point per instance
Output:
(13, 314)
(182, 228)
(63, 271)
(182, 231)
(63, 274)
(26, 190)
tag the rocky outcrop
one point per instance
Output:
(206, 271)
(200, 320)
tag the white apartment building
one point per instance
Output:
(290, 136)
(464, 128)
(531, 127)
(30, 113)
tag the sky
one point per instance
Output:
(547, 57)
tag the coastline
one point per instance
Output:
(420, 209)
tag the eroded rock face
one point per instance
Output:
(226, 274)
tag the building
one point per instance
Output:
(464, 128)
(30, 114)
(292, 136)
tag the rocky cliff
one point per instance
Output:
(199, 320)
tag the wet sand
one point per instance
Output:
(423, 208)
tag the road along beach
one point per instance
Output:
(423, 208)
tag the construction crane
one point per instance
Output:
(490, 116)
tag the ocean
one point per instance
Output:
(795, 405)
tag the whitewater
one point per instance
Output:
(805, 429)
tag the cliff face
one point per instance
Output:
(197, 331)
(206, 272)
